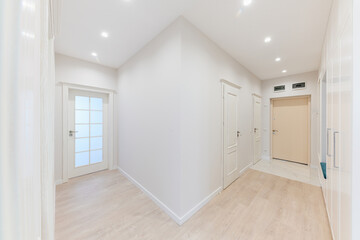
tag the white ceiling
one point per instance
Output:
(297, 29)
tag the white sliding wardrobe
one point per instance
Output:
(338, 68)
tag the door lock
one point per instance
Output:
(274, 131)
(238, 133)
(71, 133)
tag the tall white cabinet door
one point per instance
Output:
(231, 134)
(339, 136)
(329, 132)
(329, 139)
(345, 135)
(335, 125)
(87, 133)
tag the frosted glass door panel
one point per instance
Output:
(82, 103)
(96, 104)
(81, 145)
(96, 117)
(96, 143)
(87, 126)
(81, 159)
(89, 130)
(82, 130)
(96, 130)
(81, 117)
(96, 156)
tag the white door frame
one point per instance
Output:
(111, 140)
(223, 82)
(256, 95)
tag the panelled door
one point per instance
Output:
(257, 128)
(231, 134)
(87, 138)
(290, 129)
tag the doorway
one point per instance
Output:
(230, 132)
(257, 128)
(87, 132)
(290, 129)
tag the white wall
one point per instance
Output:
(203, 65)
(170, 117)
(312, 88)
(74, 71)
(149, 88)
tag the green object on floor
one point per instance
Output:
(323, 168)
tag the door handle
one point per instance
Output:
(334, 136)
(327, 142)
(71, 133)
(238, 133)
(255, 130)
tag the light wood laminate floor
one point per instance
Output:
(257, 206)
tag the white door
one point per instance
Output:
(87, 145)
(257, 128)
(231, 134)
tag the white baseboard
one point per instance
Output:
(201, 204)
(59, 181)
(166, 209)
(189, 214)
(245, 168)
(265, 157)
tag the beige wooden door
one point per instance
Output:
(257, 128)
(290, 129)
(231, 134)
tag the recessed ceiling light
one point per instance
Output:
(278, 59)
(267, 39)
(105, 34)
(247, 2)
(284, 71)
(94, 54)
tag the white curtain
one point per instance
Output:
(27, 196)
(20, 185)
(47, 93)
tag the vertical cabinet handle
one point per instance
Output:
(327, 142)
(334, 136)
